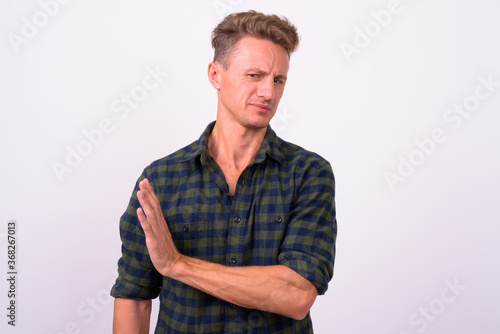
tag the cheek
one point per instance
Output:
(245, 93)
(281, 88)
(230, 92)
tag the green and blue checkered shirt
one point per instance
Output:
(282, 212)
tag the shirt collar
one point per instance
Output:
(270, 147)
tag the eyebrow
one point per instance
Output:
(257, 71)
(281, 77)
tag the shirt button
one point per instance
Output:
(234, 260)
(278, 219)
(232, 306)
(237, 219)
(185, 228)
(243, 182)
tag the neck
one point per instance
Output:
(234, 146)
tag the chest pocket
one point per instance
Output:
(199, 239)
(268, 232)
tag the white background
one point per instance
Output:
(401, 245)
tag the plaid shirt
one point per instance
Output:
(282, 212)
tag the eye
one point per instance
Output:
(279, 81)
(251, 75)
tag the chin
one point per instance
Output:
(259, 121)
(257, 124)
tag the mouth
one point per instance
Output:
(261, 106)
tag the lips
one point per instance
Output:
(262, 106)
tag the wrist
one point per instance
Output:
(175, 269)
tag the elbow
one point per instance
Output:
(303, 304)
(299, 315)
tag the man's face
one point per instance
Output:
(252, 85)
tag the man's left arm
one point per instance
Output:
(277, 289)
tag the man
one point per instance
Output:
(235, 232)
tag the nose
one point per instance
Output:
(266, 89)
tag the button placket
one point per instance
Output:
(237, 224)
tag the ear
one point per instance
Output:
(214, 74)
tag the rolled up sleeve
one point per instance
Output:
(137, 277)
(308, 247)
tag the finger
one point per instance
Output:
(147, 209)
(154, 222)
(140, 197)
(148, 185)
(145, 196)
(148, 193)
(143, 220)
(151, 192)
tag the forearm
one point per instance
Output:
(276, 289)
(131, 316)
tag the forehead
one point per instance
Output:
(259, 53)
